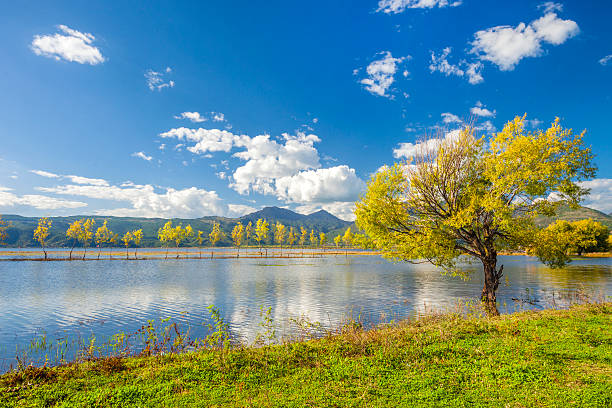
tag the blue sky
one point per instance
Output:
(219, 108)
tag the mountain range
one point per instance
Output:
(21, 228)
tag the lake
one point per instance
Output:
(69, 300)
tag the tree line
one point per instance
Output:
(261, 234)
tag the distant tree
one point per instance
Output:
(313, 238)
(291, 237)
(347, 238)
(473, 196)
(238, 235)
(103, 236)
(114, 240)
(74, 232)
(279, 235)
(127, 238)
(181, 234)
(215, 235)
(166, 235)
(303, 237)
(248, 232)
(136, 238)
(41, 233)
(261, 233)
(3, 228)
(338, 241)
(87, 234)
(322, 240)
(556, 243)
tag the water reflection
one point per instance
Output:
(107, 297)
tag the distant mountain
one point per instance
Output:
(22, 228)
(580, 213)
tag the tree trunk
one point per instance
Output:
(43, 248)
(84, 252)
(99, 251)
(72, 249)
(491, 283)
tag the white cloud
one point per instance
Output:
(218, 117)
(450, 118)
(43, 173)
(206, 140)
(40, 202)
(605, 60)
(550, 6)
(238, 210)
(156, 80)
(381, 74)
(338, 183)
(398, 6)
(409, 150)
(506, 46)
(315, 120)
(146, 202)
(600, 197)
(72, 46)
(142, 156)
(74, 179)
(192, 116)
(481, 110)
(471, 70)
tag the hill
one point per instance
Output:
(580, 213)
(21, 228)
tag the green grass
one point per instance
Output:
(553, 358)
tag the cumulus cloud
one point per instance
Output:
(550, 6)
(72, 45)
(506, 46)
(410, 150)
(480, 110)
(600, 197)
(192, 116)
(338, 183)
(40, 202)
(142, 155)
(470, 70)
(398, 6)
(381, 74)
(218, 117)
(605, 60)
(206, 140)
(144, 201)
(156, 80)
(450, 118)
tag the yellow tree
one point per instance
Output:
(474, 196)
(74, 233)
(338, 241)
(237, 236)
(313, 238)
(291, 237)
(261, 233)
(87, 233)
(41, 233)
(303, 238)
(3, 228)
(165, 235)
(103, 236)
(136, 238)
(347, 238)
(215, 235)
(248, 232)
(279, 235)
(127, 238)
(322, 240)
(200, 240)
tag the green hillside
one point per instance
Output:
(580, 213)
(21, 228)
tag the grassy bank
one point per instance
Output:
(551, 358)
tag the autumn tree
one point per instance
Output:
(303, 238)
(322, 240)
(3, 230)
(238, 235)
(200, 240)
(291, 237)
(74, 233)
(87, 234)
(248, 232)
(215, 235)
(165, 235)
(338, 241)
(473, 196)
(136, 238)
(590, 236)
(127, 238)
(261, 232)
(103, 236)
(41, 233)
(279, 235)
(114, 240)
(313, 238)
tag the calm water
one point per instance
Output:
(71, 299)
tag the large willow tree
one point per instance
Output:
(471, 196)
